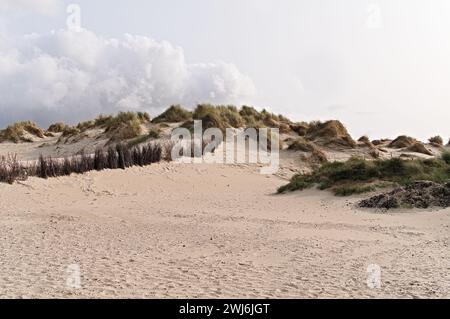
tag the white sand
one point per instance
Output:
(210, 231)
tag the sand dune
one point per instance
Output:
(198, 230)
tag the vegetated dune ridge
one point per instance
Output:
(202, 230)
(211, 230)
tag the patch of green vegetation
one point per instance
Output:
(358, 175)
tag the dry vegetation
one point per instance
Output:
(56, 127)
(11, 169)
(403, 141)
(119, 156)
(224, 117)
(125, 125)
(18, 132)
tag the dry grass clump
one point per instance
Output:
(402, 141)
(221, 117)
(125, 125)
(251, 116)
(84, 126)
(174, 114)
(437, 141)
(56, 127)
(102, 120)
(330, 133)
(17, 132)
(119, 156)
(229, 116)
(300, 128)
(316, 156)
(11, 169)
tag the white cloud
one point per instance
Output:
(73, 76)
(38, 6)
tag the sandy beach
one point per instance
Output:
(210, 231)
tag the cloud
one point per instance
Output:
(72, 76)
(47, 7)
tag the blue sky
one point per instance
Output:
(382, 67)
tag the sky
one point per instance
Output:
(382, 67)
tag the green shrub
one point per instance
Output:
(358, 175)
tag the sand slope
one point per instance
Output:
(217, 231)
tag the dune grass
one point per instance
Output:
(125, 125)
(154, 133)
(229, 116)
(358, 175)
(16, 132)
(56, 127)
(174, 114)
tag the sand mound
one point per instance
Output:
(419, 148)
(316, 156)
(402, 142)
(420, 194)
(330, 133)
